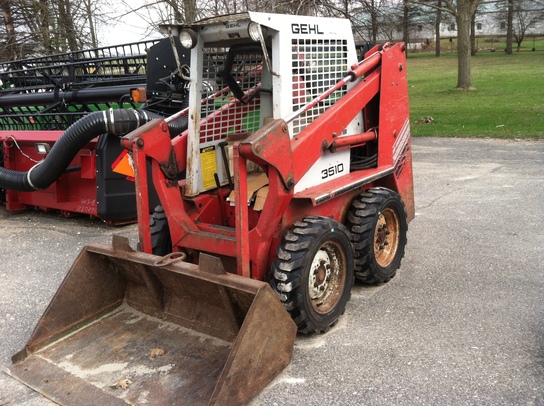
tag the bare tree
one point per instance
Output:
(44, 22)
(42, 27)
(90, 19)
(520, 16)
(525, 14)
(463, 11)
(375, 19)
(67, 31)
(9, 50)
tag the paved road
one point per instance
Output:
(462, 323)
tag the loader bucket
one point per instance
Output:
(126, 329)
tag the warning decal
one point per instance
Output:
(209, 166)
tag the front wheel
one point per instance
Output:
(378, 226)
(161, 243)
(313, 273)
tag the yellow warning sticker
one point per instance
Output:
(209, 166)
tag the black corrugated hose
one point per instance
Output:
(114, 122)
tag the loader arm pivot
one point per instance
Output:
(271, 145)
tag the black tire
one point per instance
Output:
(161, 242)
(378, 226)
(313, 273)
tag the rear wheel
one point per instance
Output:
(313, 273)
(378, 226)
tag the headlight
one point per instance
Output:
(254, 30)
(188, 38)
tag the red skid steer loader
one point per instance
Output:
(293, 177)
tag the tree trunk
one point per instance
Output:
(463, 11)
(473, 35)
(463, 19)
(45, 21)
(90, 18)
(509, 27)
(190, 10)
(374, 21)
(11, 40)
(406, 24)
(437, 29)
(66, 24)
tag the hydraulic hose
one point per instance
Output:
(114, 122)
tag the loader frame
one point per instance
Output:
(41, 97)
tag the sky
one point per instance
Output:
(125, 32)
(129, 27)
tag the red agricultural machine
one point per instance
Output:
(42, 97)
(293, 177)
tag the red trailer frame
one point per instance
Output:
(74, 193)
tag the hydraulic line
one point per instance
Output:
(114, 122)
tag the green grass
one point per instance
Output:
(508, 101)
(496, 43)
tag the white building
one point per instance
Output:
(488, 23)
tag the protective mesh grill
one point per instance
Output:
(226, 115)
(318, 64)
